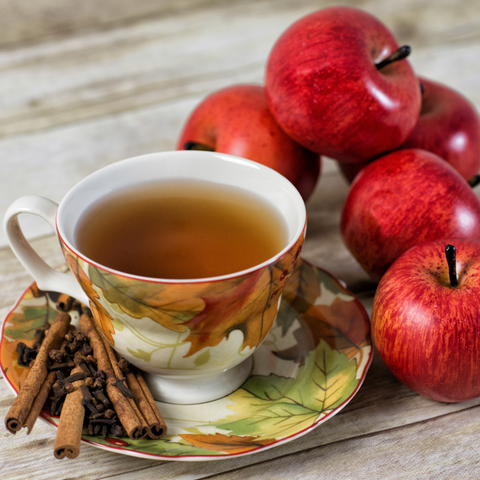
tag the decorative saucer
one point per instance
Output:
(309, 367)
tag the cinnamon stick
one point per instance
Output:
(39, 402)
(20, 408)
(119, 374)
(149, 416)
(127, 416)
(69, 433)
(157, 427)
(162, 426)
(43, 394)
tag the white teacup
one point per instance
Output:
(179, 331)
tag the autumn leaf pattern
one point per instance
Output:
(102, 318)
(343, 323)
(170, 305)
(276, 407)
(207, 311)
(328, 329)
(244, 304)
(225, 443)
(19, 326)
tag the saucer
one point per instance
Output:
(310, 365)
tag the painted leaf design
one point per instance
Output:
(20, 327)
(346, 317)
(14, 372)
(140, 354)
(159, 447)
(225, 443)
(36, 292)
(25, 324)
(303, 287)
(248, 303)
(102, 318)
(168, 305)
(275, 407)
(82, 278)
(300, 292)
(234, 305)
(344, 325)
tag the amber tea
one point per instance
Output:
(181, 230)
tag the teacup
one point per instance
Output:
(193, 337)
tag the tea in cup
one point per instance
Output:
(182, 257)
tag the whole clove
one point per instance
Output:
(60, 366)
(86, 349)
(21, 406)
(123, 364)
(25, 354)
(122, 387)
(103, 421)
(69, 337)
(89, 384)
(74, 377)
(20, 349)
(85, 369)
(100, 395)
(118, 431)
(39, 336)
(89, 404)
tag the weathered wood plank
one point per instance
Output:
(355, 428)
(179, 56)
(46, 20)
(444, 448)
(93, 100)
(85, 84)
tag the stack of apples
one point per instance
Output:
(337, 84)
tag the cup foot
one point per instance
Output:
(192, 389)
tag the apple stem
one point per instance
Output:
(474, 181)
(451, 254)
(197, 146)
(400, 54)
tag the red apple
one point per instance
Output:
(402, 199)
(237, 121)
(426, 329)
(448, 126)
(328, 89)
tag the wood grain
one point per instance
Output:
(105, 72)
(84, 84)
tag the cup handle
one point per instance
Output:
(46, 277)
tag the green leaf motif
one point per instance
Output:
(330, 283)
(165, 304)
(117, 325)
(158, 447)
(141, 354)
(276, 407)
(286, 317)
(26, 323)
(203, 358)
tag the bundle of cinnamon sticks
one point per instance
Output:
(89, 385)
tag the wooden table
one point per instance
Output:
(83, 84)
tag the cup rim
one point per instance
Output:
(301, 229)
